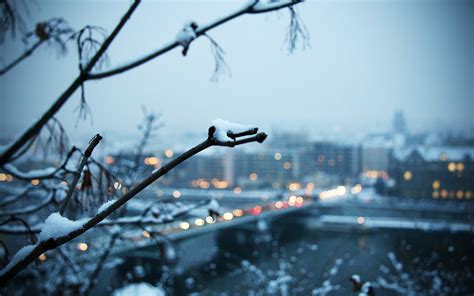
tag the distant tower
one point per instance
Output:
(399, 123)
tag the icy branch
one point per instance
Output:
(262, 7)
(52, 236)
(187, 37)
(25, 138)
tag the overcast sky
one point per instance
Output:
(367, 59)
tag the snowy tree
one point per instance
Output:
(52, 206)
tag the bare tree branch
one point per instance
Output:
(72, 186)
(28, 254)
(38, 125)
(30, 209)
(252, 8)
(54, 32)
(23, 56)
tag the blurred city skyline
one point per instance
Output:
(367, 60)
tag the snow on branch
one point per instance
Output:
(58, 230)
(33, 174)
(56, 226)
(186, 35)
(226, 133)
(31, 133)
(192, 31)
(267, 6)
(226, 130)
(86, 73)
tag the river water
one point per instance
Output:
(288, 257)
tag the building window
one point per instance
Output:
(407, 175)
(444, 193)
(451, 167)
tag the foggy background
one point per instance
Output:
(367, 59)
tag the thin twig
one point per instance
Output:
(252, 8)
(23, 56)
(40, 123)
(10, 271)
(72, 186)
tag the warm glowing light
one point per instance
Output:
(436, 185)
(238, 213)
(109, 160)
(220, 184)
(277, 156)
(228, 216)
(360, 220)
(117, 185)
(146, 234)
(293, 186)
(256, 210)
(435, 194)
(451, 167)
(152, 161)
(468, 194)
(356, 189)
(253, 176)
(210, 220)
(199, 222)
(9, 178)
(292, 200)
(82, 247)
(42, 257)
(444, 193)
(287, 165)
(237, 190)
(460, 194)
(176, 194)
(3, 177)
(169, 153)
(278, 204)
(35, 182)
(407, 175)
(340, 190)
(460, 166)
(204, 184)
(184, 225)
(310, 186)
(299, 200)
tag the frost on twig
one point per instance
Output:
(187, 35)
(228, 131)
(236, 135)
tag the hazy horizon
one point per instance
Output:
(367, 60)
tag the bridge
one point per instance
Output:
(336, 211)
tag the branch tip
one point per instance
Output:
(260, 137)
